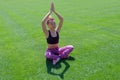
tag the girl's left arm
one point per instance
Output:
(59, 17)
(60, 21)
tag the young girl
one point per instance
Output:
(53, 51)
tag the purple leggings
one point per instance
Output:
(54, 53)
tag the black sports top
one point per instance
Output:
(52, 40)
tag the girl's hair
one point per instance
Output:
(50, 18)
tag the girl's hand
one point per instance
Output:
(52, 7)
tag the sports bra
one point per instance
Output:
(53, 40)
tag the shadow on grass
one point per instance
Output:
(50, 66)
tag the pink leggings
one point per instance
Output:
(54, 53)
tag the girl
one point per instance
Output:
(53, 51)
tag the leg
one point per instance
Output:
(65, 51)
(51, 56)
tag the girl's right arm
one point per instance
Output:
(44, 21)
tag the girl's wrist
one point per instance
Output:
(54, 11)
(50, 11)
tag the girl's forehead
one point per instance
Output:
(51, 20)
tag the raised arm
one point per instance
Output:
(60, 21)
(59, 17)
(44, 20)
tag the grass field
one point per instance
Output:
(91, 26)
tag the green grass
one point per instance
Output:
(91, 26)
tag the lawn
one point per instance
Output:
(91, 26)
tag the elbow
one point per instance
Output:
(43, 22)
(61, 19)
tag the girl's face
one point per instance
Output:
(51, 24)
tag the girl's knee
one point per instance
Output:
(70, 46)
(48, 55)
(51, 56)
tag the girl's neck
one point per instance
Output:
(52, 30)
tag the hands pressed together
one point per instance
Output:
(45, 19)
(52, 9)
